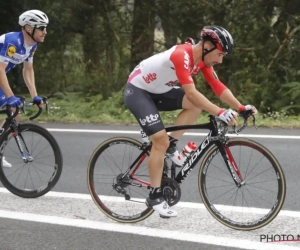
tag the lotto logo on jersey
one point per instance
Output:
(11, 50)
(150, 78)
(151, 119)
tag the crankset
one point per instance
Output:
(171, 191)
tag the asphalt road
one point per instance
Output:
(68, 219)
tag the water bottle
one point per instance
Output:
(180, 158)
(145, 137)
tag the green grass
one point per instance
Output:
(76, 108)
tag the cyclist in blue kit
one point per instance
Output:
(19, 47)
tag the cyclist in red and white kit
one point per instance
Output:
(152, 87)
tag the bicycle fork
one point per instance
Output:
(26, 156)
(232, 166)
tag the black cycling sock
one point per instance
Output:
(172, 140)
(155, 193)
(172, 147)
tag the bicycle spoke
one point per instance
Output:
(262, 188)
(255, 166)
(124, 155)
(222, 194)
(259, 174)
(213, 177)
(111, 169)
(37, 176)
(227, 173)
(41, 157)
(246, 174)
(39, 170)
(261, 198)
(237, 208)
(248, 183)
(222, 186)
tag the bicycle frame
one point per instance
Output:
(211, 138)
(10, 122)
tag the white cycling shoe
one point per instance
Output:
(177, 159)
(5, 163)
(162, 207)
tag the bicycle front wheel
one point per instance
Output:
(36, 172)
(260, 197)
(123, 199)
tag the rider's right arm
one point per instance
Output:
(181, 62)
(4, 85)
(199, 100)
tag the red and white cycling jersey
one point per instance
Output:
(160, 72)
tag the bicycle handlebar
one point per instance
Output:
(27, 104)
(245, 115)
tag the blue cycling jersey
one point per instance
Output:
(13, 49)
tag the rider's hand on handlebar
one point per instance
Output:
(39, 101)
(228, 116)
(14, 101)
(248, 107)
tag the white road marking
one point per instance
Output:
(295, 137)
(145, 231)
(191, 225)
(181, 204)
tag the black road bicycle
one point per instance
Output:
(240, 181)
(32, 151)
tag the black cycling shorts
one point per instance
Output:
(145, 106)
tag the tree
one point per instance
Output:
(142, 35)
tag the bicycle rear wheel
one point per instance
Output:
(37, 176)
(120, 201)
(259, 199)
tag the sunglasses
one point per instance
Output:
(41, 28)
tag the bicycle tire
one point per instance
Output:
(39, 152)
(252, 179)
(137, 209)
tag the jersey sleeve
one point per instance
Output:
(211, 77)
(181, 61)
(6, 50)
(32, 51)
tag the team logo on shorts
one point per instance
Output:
(11, 50)
(150, 120)
(128, 92)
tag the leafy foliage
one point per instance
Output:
(92, 45)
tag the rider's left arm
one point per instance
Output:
(219, 88)
(28, 75)
(230, 99)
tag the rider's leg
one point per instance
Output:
(143, 105)
(3, 102)
(160, 143)
(187, 116)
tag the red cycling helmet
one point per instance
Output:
(219, 37)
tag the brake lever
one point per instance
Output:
(234, 130)
(254, 121)
(23, 108)
(46, 104)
